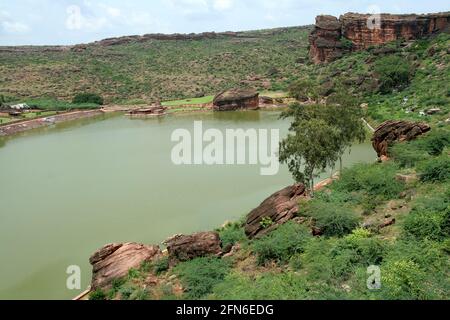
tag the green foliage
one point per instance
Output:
(429, 218)
(374, 180)
(393, 72)
(57, 105)
(88, 98)
(332, 220)
(268, 286)
(98, 294)
(266, 222)
(161, 265)
(133, 274)
(200, 275)
(304, 90)
(310, 150)
(435, 170)
(231, 234)
(281, 244)
(403, 280)
(346, 43)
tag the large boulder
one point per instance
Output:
(236, 99)
(184, 248)
(113, 261)
(279, 208)
(392, 131)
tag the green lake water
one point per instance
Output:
(67, 190)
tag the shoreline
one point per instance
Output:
(26, 125)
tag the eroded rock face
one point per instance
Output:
(279, 208)
(325, 40)
(184, 248)
(113, 261)
(392, 131)
(236, 99)
(352, 32)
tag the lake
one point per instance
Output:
(67, 190)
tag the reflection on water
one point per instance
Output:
(67, 190)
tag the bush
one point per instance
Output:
(161, 265)
(435, 170)
(393, 72)
(430, 218)
(88, 98)
(332, 220)
(200, 275)
(375, 180)
(281, 244)
(98, 294)
(269, 286)
(232, 234)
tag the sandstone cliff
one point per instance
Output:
(352, 32)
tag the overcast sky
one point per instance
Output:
(78, 21)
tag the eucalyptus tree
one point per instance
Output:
(309, 149)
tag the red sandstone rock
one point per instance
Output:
(236, 99)
(391, 131)
(279, 208)
(184, 248)
(113, 261)
(326, 44)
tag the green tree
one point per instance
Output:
(344, 112)
(309, 149)
(304, 90)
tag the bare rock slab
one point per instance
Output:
(184, 248)
(280, 207)
(113, 261)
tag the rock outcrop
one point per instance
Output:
(392, 131)
(113, 261)
(278, 209)
(352, 32)
(184, 248)
(236, 99)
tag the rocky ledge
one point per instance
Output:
(392, 131)
(332, 37)
(279, 208)
(236, 99)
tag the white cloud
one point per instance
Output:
(9, 25)
(77, 21)
(221, 5)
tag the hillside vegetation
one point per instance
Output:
(156, 69)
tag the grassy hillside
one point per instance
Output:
(156, 69)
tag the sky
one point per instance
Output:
(67, 22)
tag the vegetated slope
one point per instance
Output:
(398, 80)
(155, 69)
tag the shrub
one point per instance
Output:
(332, 220)
(435, 170)
(425, 225)
(375, 180)
(161, 265)
(281, 244)
(269, 286)
(200, 275)
(393, 72)
(403, 280)
(98, 294)
(88, 98)
(231, 234)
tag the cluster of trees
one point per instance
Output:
(88, 98)
(320, 132)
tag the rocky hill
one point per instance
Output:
(155, 66)
(353, 32)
